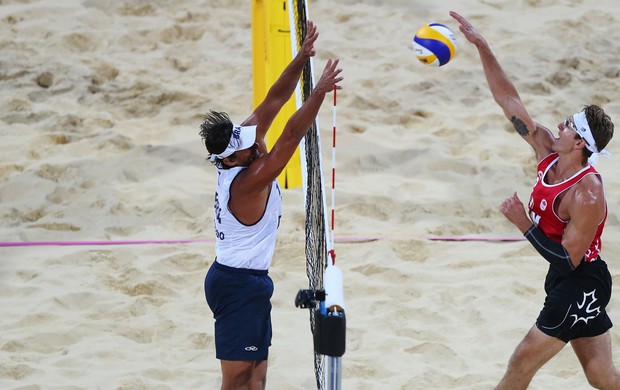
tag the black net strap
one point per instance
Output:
(316, 244)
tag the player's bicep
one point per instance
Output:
(542, 141)
(580, 231)
(576, 242)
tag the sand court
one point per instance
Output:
(100, 104)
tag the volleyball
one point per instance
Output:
(434, 44)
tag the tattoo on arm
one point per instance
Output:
(519, 126)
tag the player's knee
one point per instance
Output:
(243, 377)
(601, 377)
(523, 360)
(596, 382)
(520, 355)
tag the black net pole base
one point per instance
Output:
(330, 333)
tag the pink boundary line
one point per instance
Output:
(143, 242)
(72, 243)
(476, 238)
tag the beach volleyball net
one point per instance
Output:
(312, 174)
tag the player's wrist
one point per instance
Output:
(528, 228)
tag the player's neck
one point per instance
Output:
(566, 167)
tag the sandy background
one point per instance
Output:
(100, 103)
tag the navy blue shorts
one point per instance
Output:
(575, 303)
(240, 301)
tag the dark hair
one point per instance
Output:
(601, 125)
(215, 130)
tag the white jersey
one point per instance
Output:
(239, 245)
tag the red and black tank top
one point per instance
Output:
(544, 196)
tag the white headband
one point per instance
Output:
(583, 129)
(242, 137)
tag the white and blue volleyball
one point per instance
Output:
(434, 44)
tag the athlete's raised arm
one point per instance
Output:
(505, 93)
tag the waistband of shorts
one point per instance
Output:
(260, 272)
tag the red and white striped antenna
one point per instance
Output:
(333, 211)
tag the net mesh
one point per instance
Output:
(316, 244)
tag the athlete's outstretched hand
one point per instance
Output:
(468, 30)
(307, 47)
(330, 77)
(514, 211)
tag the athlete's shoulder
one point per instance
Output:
(589, 191)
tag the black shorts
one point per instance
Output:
(241, 306)
(575, 303)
